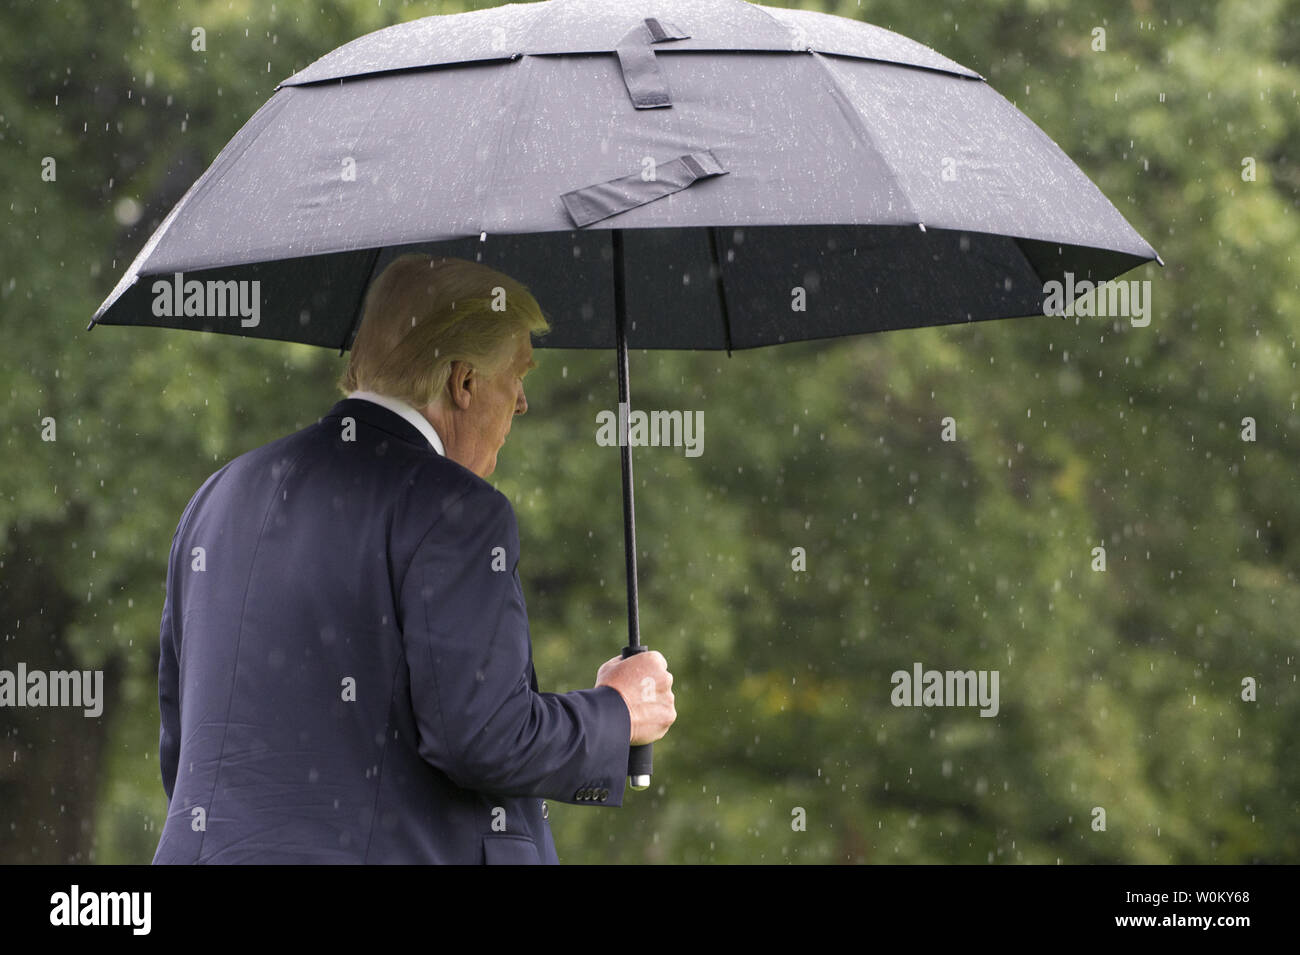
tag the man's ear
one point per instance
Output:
(461, 384)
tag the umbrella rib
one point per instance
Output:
(1017, 242)
(722, 292)
(864, 135)
(510, 118)
(361, 298)
(512, 114)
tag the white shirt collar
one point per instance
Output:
(397, 406)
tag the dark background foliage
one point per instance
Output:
(1120, 689)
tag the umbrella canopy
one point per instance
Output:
(778, 175)
(699, 174)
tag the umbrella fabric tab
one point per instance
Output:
(645, 84)
(593, 203)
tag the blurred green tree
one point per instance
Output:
(1120, 689)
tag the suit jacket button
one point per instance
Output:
(546, 814)
(604, 794)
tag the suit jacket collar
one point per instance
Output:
(380, 417)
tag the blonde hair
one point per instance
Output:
(423, 313)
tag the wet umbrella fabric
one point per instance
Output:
(791, 149)
(697, 174)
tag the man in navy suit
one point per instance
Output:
(346, 669)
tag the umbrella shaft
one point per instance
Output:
(625, 446)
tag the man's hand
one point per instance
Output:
(646, 687)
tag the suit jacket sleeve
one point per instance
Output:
(465, 630)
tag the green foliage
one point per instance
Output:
(1119, 689)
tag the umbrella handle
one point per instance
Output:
(640, 759)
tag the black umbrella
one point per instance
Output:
(697, 174)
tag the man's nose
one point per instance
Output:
(521, 406)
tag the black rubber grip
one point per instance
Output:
(640, 759)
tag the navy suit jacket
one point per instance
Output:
(346, 670)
